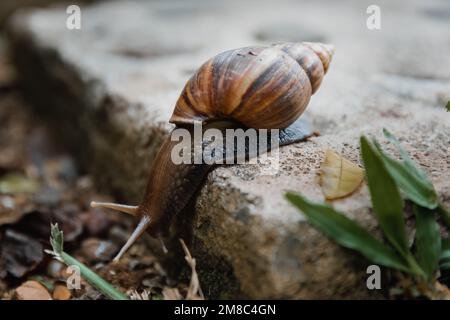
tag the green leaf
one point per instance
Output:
(57, 240)
(415, 188)
(445, 216)
(444, 265)
(387, 203)
(408, 161)
(444, 262)
(448, 106)
(445, 250)
(428, 240)
(347, 233)
(445, 243)
(411, 180)
(386, 200)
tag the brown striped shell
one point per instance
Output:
(259, 87)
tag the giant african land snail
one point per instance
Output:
(253, 87)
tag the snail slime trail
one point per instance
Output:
(252, 87)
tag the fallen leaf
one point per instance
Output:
(20, 253)
(36, 222)
(11, 209)
(61, 293)
(48, 284)
(32, 290)
(95, 250)
(17, 183)
(339, 176)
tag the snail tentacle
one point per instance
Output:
(141, 227)
(132, 210)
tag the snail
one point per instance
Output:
(252, 87)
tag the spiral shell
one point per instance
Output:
(258, 87)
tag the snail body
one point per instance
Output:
(253, 87)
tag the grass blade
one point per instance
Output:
(387, 202)
(347, 233)
(444, 261)
(445, 216)
(99, 283)
(428, 240)
(57, 241)
(445, 265)
(445, 249)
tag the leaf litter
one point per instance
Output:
(39, 185)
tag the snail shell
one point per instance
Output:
(258, 87)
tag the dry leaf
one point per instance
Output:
(409, 288)
(20, 253)
(12, 209)
(94, 250)
(194, 290)
(32, 290)
(339, 176)
(61, 293)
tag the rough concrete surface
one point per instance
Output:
(113, 85)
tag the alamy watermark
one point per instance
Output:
(374, 279)
(73, 21)
(73, 282)
(373, 21)
(226, 146)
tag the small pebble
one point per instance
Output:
(55, 269)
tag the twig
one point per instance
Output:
(194, 291)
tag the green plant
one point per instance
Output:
(57, 241)
(387, 178)
(444, 259)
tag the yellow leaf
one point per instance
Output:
(339, 176)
